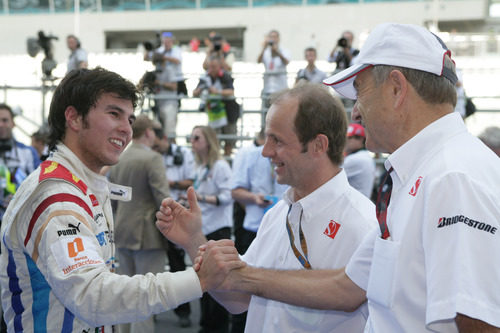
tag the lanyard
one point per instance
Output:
(303, 260)
(198, 180)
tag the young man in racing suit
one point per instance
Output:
(56, 266)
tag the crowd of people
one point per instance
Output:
(294, 233)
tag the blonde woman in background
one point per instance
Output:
(212, 184)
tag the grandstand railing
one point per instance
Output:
(60, 6)
(251, 119)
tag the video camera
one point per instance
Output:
(43, 42)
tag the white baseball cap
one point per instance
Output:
(402, 45)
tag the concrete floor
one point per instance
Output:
(167, 322)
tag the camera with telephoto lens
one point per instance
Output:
(155, 57)
(151, 45)
(43, 42)
(148, 45)
(5, 145)
(216, 42)
(342, 42)
(203, 86)
(178, 157)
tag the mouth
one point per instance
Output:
(278, 165)
(117, 142)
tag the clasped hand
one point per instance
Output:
(213, 260)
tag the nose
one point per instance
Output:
(267, 150)
(355, 115)
(126, 128)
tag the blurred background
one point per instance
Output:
(114, 32)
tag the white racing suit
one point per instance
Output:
(58, 255)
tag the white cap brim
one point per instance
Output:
(343, 81)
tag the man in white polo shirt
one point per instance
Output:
(317, 225)
(433, 265)
(430, 268)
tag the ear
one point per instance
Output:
(73, 120)
(319, 144)
(399, 88)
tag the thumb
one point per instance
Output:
(193, 202)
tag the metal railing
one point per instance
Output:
(251, 119)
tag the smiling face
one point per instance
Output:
(291, 161)
(104, 133)
(372, 110)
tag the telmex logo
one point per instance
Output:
(75, 247)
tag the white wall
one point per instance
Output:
(300, 26)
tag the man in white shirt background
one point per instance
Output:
(359, 165)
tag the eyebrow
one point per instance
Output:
(119, 109)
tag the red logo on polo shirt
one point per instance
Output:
(415, 187)
(332, 229)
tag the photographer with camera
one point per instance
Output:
(311, 73)
(275, 59)
(216, 48)
(165, 81)
(78, 57)
(166, 100)
(343, 53)
(169, 56)
(216, 92)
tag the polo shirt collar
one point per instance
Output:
(315, 201)
(407, 158)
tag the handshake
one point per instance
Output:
(217, 263)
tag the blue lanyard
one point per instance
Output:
(197, 181)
